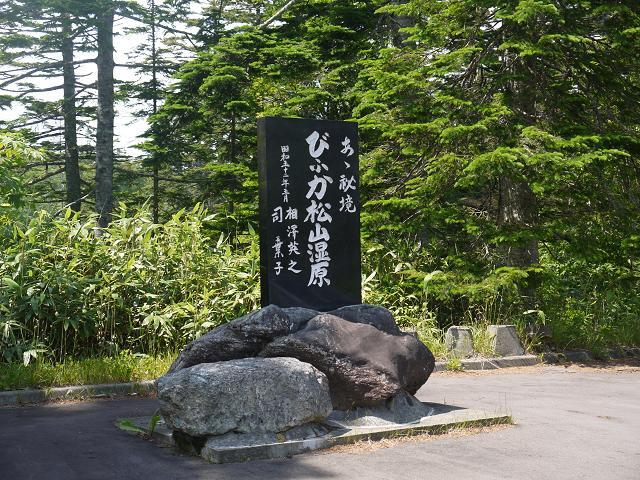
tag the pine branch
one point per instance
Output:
(40, 68)
(164, 179)
(43, 164)
(48, 175)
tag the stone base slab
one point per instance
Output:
(443, 419)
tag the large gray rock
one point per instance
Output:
(364, 365)
(240, 338)
(255, 395)
(373, 315)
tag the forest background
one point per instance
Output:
(500, 167)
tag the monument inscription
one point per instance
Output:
(309, 213)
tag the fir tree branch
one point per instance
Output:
(48, 175)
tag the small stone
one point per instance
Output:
(615, 353)
(459, 342)
(578, 356)
(632, 351)
(550, 357)
(256, 395)
(505, 340)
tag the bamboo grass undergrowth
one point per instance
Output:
(126, 367)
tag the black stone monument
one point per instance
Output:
(309, 213)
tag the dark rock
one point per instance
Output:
(298, 317)
(550, 357)
(240, 338)
(364, 365)
(374, 315)
(632, 351)
(578, 356)
(248, 395)
(615, 353)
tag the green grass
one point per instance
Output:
(125, 367)
(482, 340)
(454, 364)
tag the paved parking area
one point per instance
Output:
(572, 423)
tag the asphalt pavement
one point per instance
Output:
(570, 424)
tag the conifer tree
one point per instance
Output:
(168, 43)
(39, 40)
(491, 125)
(303, 64)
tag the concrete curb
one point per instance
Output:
(20, 397)
(493, 363)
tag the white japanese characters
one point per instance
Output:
(348, 149)
(323, 186)
(309, 202)
(318, 212)
(286, 214)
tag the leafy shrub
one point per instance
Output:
(67, 292)
(427, 295)
(592, 306)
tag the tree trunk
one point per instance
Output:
(398, 22)
(71, 166)
(517, 208)
(233, 138)
(154, 81)
(104, 136)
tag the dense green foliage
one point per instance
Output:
(489, 133)
(140, 286)
(487, 129)
(500, 168)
